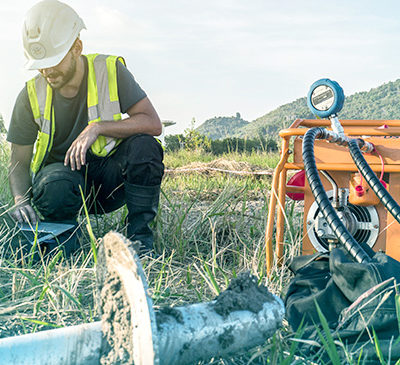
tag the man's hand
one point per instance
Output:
(20, 183)
(142, 119)
(24, 213)
(76, 154)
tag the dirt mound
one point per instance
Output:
(222, 165)
(243, 293)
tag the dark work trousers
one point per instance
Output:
(56, 188)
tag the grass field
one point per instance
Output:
(210, 227)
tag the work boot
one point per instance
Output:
(142, 203)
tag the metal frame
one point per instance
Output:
(279, 186)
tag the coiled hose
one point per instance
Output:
(324, 204)
(373, 181)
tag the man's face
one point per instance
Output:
(58, 76)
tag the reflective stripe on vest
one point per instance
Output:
(40, 97)
(102, 102)
(102, 80)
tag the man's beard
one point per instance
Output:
(65, 77)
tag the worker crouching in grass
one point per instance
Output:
(72, 110)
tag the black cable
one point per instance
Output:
(324, 204)
(373, 181)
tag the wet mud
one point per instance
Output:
(226, 338)
(243, 293)
(163, 314)
(117, 345)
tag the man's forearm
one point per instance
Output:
(128, 127)
(19, 171)
(143, 118)
(20, 183)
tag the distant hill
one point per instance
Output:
(221, 127)
(382, 102)
(272, 122)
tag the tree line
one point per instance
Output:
(193, 140)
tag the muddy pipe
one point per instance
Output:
(242, 317)
(70, 345)
(197, 332)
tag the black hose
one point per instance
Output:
(324, 204)
(373, 181)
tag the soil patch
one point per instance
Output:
(243, 293)
(222, 165)
(227, 338)
(164, 313)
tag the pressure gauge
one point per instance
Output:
(325, 98)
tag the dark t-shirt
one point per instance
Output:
(71, 115)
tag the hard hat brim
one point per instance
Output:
(33, 64)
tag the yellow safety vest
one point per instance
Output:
(102, 102)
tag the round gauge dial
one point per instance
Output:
(325, 98)
(322, 97)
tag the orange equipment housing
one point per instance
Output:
(335, 160)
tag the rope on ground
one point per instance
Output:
(206, 169)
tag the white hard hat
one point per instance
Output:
(50, 29)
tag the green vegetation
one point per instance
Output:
(228, 145)
(379, 103)
(2, 127)
(4, 155)
(243, 145)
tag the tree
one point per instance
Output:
(174, 142)
(195, 141)
(2, 127)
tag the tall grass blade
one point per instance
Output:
(89, 227)
(397, 301)
(378, 349)
(41, 323)
(326, 338)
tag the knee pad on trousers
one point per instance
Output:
(144, 158)
(56, 193)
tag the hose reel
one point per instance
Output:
(361, 222)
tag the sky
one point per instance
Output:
(201, 59)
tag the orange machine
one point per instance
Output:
(372, 224)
